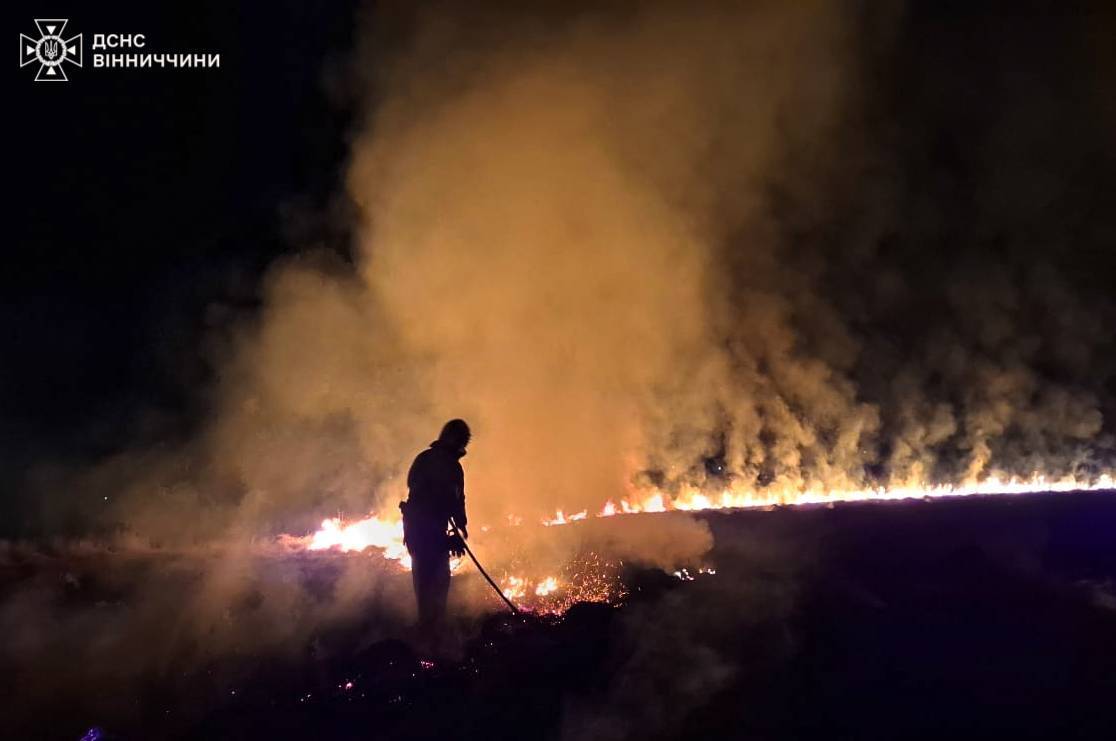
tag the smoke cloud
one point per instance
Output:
(720, 245)
(542, 250)
(629, 245)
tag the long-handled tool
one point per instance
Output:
(480, 568)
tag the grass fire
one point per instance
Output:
(582, 371)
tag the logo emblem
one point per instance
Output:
(51, 50)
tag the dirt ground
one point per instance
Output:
(901, 620)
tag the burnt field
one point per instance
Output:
(897, 620)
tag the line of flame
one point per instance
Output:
(697, 500)
(386, 533)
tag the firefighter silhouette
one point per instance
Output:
(435, 503)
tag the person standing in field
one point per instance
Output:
(435, 505)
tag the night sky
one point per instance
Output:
(149, 203)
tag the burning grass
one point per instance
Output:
(547, 585)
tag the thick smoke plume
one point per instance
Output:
(666, 247)
(755, 245)
(543, 250)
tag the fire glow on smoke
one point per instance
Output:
(592, 579)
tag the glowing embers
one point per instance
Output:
(588, 577)
(549, 585)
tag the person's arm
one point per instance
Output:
(459, 506)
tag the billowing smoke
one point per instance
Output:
(668, 247)
(755, 245)
(545, 216)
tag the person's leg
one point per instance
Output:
(421, 579)
(439, 586)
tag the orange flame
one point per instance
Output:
(372, 531)
(386, 533)
(696, 500)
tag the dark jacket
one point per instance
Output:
(436, 483)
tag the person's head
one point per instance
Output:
(455, 434)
